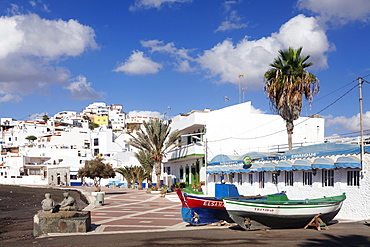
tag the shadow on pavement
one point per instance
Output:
(349, 240)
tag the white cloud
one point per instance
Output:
(184, 66)
(352, 123)
(31, 47)
(181, 55)
(81, 89)
(138, 64)
(226, 61)
(252, 57)
(37, 116)
(160, 46)
(10, 98)
(148, 4)
(54, 38)
(338, 11)
(154, 114)
(228, 25)
(233, 20)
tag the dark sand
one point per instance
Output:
(18, 205)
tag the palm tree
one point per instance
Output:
(157, 139)
(140, 175)
(286, 82)
(127, 173)
(145, 159)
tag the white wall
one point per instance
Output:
(355, 207)
(235, 130)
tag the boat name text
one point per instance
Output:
(213, 203)
(264, 209)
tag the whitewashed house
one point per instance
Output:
(314, 171)
(232, 130)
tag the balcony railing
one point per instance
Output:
(186, 151)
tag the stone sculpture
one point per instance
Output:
(47, 203)
(61, 218)
(68, 204)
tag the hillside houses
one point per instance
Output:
(62, 144)
(65, 141)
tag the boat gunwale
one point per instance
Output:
(221, 198)
(329, 201)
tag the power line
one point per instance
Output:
(258, 137)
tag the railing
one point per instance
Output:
(183, 151)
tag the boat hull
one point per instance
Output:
(202, 210)
(280, 215)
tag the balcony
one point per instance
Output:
(187, 152)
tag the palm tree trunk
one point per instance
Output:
(158, 171)
(289, 129)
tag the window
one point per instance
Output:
(240, 178)
(288, 178)
(307, 178)
(327, 178)
(96, 151)
(250, 175)
(74, 177)
(274, 178)
(353, 178)
(261, 181)
(34, 172)
(96, 141)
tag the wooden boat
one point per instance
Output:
(280, 212)
(198, 210)
(202, 210)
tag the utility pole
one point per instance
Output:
(361, 127)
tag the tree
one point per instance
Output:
(31, 138)
(45, 118)
(127, 173)
(93, 125)
(156, 138)
(286, 83)
(140, 175)
(96, 170)
(145, 159)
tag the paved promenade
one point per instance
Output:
(130, 210)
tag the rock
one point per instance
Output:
(61, 222)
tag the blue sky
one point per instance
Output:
(155, 55)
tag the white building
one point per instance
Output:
(117, 118)
(327, 169)
(232, 130)
(58, 150)
(96, 108)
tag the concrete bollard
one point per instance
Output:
(99, 201)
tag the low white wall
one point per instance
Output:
(31, 180)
